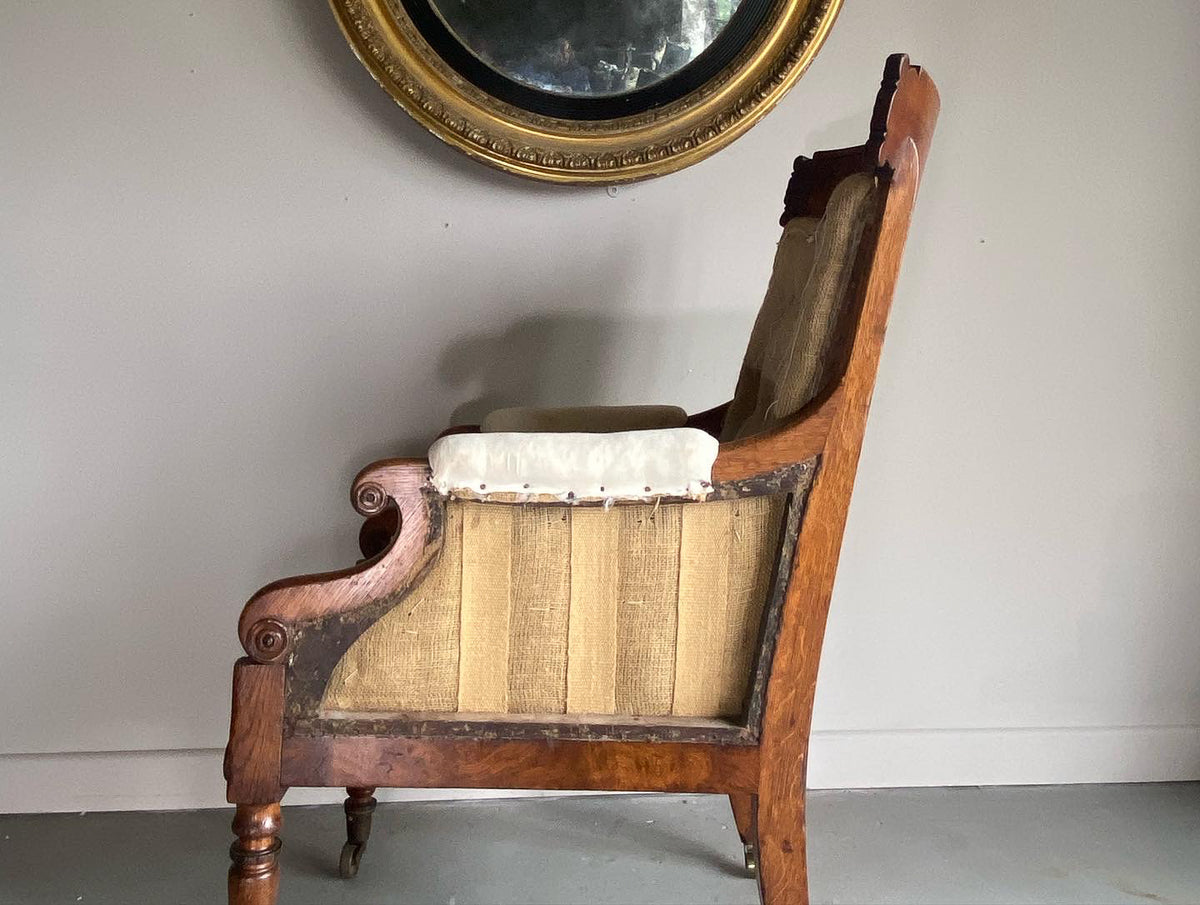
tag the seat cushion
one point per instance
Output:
(644, 464)
(597, 419)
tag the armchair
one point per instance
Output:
(637, 603)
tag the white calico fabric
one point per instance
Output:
(641, 464)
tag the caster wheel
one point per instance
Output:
(352, 853)
(751, 860)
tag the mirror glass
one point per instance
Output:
(586, 48)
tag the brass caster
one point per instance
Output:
(352, 853)
(751, 860)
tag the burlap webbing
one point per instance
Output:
(641, 609)
(541, 602)
(704, 553)
(755, 524)
(793, 262)
(648, 586)
(408, 660)
(788, 359)
(725, 569)
(486, 602)
(592, 636)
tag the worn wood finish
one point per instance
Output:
(814, 179)
(789, 476)
(790, 692)
(763, 771)
(377, 532)
(255, 733)
(801, 437)
(270, 620)
(906, 110)
(768, 634)
(254, 874)
(532, 727)
(480, 763)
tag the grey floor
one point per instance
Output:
(1069, 844)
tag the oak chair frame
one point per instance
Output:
(295, 630)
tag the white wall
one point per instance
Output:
(233, 272)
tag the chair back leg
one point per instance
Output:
(745, 815)
(359, 807)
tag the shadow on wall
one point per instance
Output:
(571, 359)
(539, 361)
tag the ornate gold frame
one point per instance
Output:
(659, 141)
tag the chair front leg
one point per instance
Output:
(254, 875)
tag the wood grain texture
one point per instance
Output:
(906, 110)
(792, 686)
(254, 874)
(478, 763)
(255, 733)
(799, 438)
(269, 621)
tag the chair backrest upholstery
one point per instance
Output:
(792, 352)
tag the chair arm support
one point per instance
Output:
(269, 620)
(800, 437)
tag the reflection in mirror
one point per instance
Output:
(586, 47)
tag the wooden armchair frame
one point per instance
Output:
(295, 631)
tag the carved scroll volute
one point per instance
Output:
(269, 620)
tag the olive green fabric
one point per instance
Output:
(788, 359)
(588, 419)
(640, 609)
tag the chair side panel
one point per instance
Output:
(644, 610)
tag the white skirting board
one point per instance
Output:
(172, 780)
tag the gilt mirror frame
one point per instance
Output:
(609, 139)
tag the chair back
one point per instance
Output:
(832, 212)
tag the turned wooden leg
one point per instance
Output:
(359, 808)
(254, 876)
(745, 814)
(783, 867)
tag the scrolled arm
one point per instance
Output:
(269, 620)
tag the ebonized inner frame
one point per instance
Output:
(742, 26)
